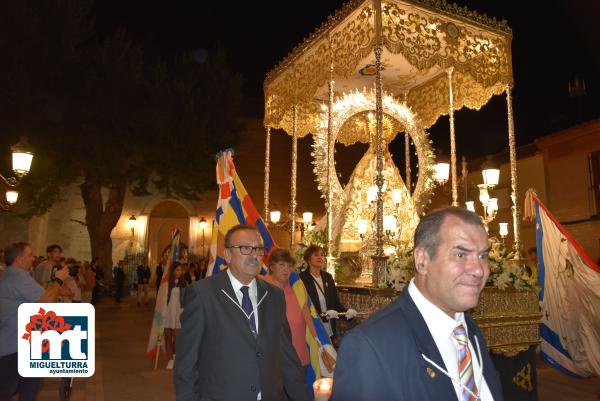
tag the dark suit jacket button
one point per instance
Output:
(253, 387)
(258, 355)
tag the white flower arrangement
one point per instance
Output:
(400, 266)
(505, 271)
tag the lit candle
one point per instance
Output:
(397, 196)
(372, 194)
(503, 229)
(389, 223)
(362, 226)
(322, 388)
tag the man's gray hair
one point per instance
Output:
(239, 227)
(427, 234)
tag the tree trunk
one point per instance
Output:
(102, 218)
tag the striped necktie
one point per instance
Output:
(465, 364)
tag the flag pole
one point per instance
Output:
(157, 350)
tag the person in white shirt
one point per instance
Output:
(424, 346)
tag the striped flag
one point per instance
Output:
(320, 350)
(156, 339)
(235, 207)
(570, 296)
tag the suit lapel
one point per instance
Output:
(230, 303)
(441, 387)
(262, 293)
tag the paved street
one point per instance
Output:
(124, 374)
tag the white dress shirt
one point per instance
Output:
(253, 293)
(441, 326)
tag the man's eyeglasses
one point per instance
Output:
(247, 249)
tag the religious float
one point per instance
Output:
(374, 70)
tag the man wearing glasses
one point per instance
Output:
(235, 342)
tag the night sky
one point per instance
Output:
(553, 43)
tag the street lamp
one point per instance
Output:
(307, 218)
(490, 173)
(131, 223)
(21, 164)
(11, 197)
(275, 216)
(21, 157)
(203, 226)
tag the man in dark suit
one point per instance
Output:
(235, 342)
(424, 346)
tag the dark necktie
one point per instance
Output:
(247, 307)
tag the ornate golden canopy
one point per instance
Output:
(422, 39)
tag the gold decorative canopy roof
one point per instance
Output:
(421, 39)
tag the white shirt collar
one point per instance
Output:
(237, 285)
(439, 323)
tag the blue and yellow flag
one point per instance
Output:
(320, 350)
(235, 207)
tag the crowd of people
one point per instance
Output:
(85, 279)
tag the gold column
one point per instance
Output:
(452, 140)
(267, 172)
(294, 175)
(407, 159)
(513, 175)
(379, 259)
(330, 161)
(465, 180)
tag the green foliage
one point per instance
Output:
(97, 110)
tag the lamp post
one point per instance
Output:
(203, 225)
(491, 176)
(131, 223)
(307, 218)
(22, 156)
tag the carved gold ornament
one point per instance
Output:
(421, 40)
(399, 116)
